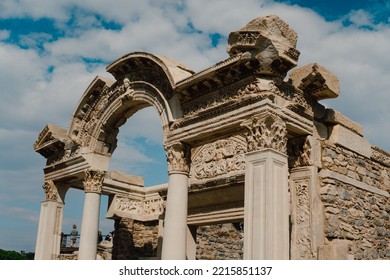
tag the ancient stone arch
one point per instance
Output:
(244, 145)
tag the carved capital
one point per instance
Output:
(178, 157)
(50, 190)
(93, 181)
(266, 131)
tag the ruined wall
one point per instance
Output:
(134, 239)
(358, 214)
(220, 242)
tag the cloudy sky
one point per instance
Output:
(51, 50)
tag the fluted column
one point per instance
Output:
(266, 210)
(93, 183)
(175, 223)
(50, 224)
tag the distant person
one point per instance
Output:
(108, 237)
(100, 237)
(73, 236)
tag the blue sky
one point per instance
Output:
(51, 50)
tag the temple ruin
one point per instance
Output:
(258, 168)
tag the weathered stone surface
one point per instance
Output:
(235, 134)
(268, 39)
(340, 135)
(316, 81)
(334, 117)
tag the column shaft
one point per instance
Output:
(266, 214)
(49, 230)
(175, 226)
(89, 227)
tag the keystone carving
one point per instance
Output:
(267, 131)
(93, 181)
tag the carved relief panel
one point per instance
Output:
(219, 158)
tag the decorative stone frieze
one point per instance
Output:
(266, 131)
(50, 190)
(178, 158)
(219, 158)
(143, 208)
(93, 181)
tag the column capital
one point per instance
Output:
(50, 190)
(266, 131)
(93, 181)
(178, 157)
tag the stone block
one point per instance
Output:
(316, 80)
(347, 138)
(268, 39)
(336, 250)
(334, 117)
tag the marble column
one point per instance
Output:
(175, 223)
(93, 183)
(50, 223)
(266, 203)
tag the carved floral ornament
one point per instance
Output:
(266, 131)
(50, 190)
(93, 181)
(178, 158)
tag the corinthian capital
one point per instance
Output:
(50, 190)
(93, 181)
(266, 131)
(178, 158)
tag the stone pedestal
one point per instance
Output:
(49, 230)
(266, 214)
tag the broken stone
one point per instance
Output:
(316, 81)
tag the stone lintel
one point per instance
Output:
(345, 137)
(219, 216)
(345, 179)
(334, 117)
(125, 178)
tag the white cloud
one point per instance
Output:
(4, 34)
(360, 18)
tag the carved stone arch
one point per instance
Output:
(161, 71)
(142, 80)
(142, 95)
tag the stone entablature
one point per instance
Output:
(323, 190)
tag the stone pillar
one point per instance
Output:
(191, 242)
(93, 183)
(175, 224)
(266, 210)
(307, 214)
(50, 224)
